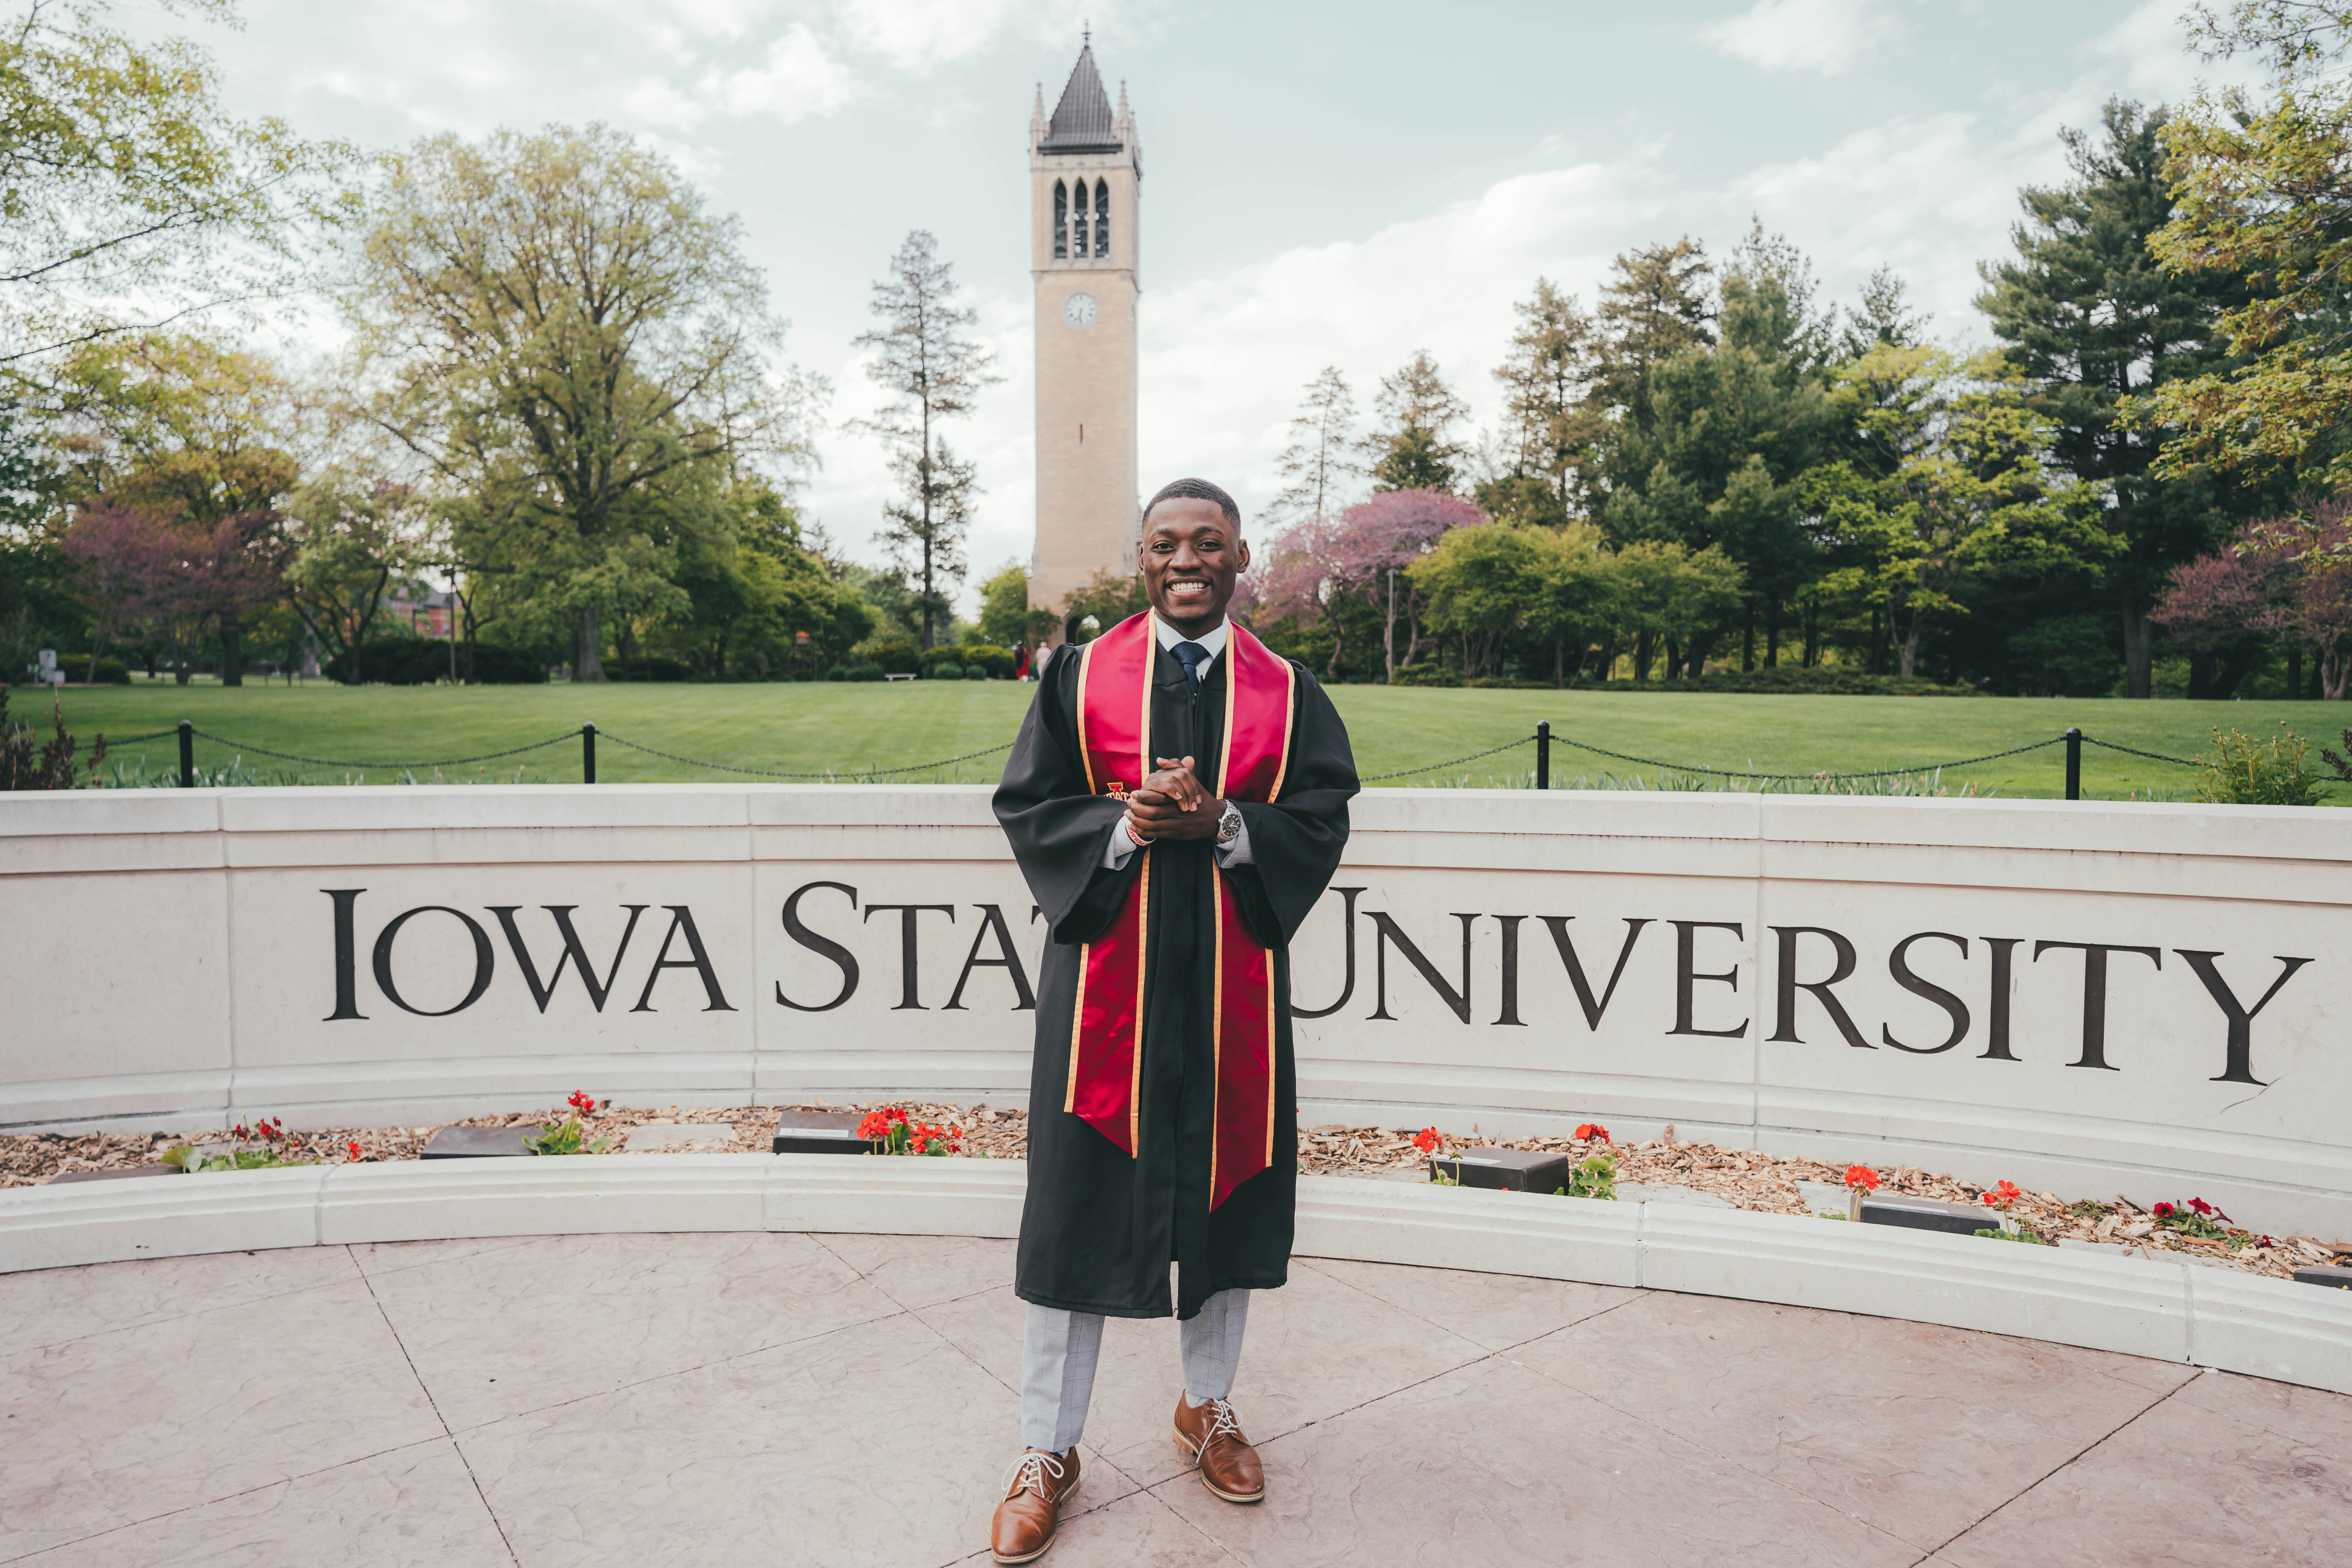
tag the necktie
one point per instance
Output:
(1192, 656)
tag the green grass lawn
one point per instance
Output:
(849, 727)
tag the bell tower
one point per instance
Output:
(1086, 170)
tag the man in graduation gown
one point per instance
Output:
(1178, 800)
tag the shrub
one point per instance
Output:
(895, 655)
(974, 672)
(943, 671)
(496, 666)
(113, 672)
(26, 764)
(2241, 770)
(859, 670)
(391, 661)
(653, 666)
(994, 662)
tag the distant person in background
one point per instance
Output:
(1021, 662)
(1177, 799)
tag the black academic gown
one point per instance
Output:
(1099, 1228)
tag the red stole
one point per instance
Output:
(1105, 1054)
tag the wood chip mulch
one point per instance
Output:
(1762, 1184)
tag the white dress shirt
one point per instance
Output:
(1120, 847)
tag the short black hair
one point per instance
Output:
(1196, 489)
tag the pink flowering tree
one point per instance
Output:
(129, 565)
(2283, 577)
(1319, 566)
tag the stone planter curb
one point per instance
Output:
(2168, 1311)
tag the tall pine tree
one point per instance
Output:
(1318, 467)
(2092, 317)
(934, 372)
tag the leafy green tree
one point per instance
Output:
(933, 371)
(1724, 433)
(564, 335)
(2093, 318)
(1411, 447)
(1482, 584)
(1318, 467)
(1657, 304)
(129, 194)
(1005, 618)
(1665, 595)
(193, 433)
(1886, 316)
(1965, 486)
(352, 538)
(1550, 422)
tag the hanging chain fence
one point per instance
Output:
(2135, 750)
(1539, 740)
(830, 774)
(1808, 778)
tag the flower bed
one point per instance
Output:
(1745, 1179)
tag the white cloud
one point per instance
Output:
(1831, 36)
(917, 35)
(799, 79)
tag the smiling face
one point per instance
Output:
(1192, 555)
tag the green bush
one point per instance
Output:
(858, 670)
(495, 666)
(893, 656)
(973, 672)
(391, 661)
(2241, 770)
(653, 667)
(838, 672)
(994, 662)
(113, 672)
(943, 670)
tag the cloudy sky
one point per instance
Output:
(1323, 183)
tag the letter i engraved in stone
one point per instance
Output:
(347, 980)
(2002, 992)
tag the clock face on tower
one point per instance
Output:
(1078, 310)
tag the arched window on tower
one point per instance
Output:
(1061, 219)
(1102, 217)
(1079, 222)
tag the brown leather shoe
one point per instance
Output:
(1212, 1434)
(1041, 1482)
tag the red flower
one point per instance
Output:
(1862, 1178)
(2001, 1197)
(355, 1148)
(875, 1125)
(1425, 1140)
(1592, 1130)
(2164, 1210)
(2266, 1241)
(581, 1103)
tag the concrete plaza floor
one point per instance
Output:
(848, 1399)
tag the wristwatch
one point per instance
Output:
(1229, 826)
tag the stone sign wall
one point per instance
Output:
(2085, 997)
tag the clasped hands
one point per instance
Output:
(1171, 804)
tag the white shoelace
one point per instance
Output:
(1226, 1422)
(1029, 1472)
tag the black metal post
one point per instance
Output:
(1543, 753)
(2073, 762)
(187, 755)
(587, 753)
